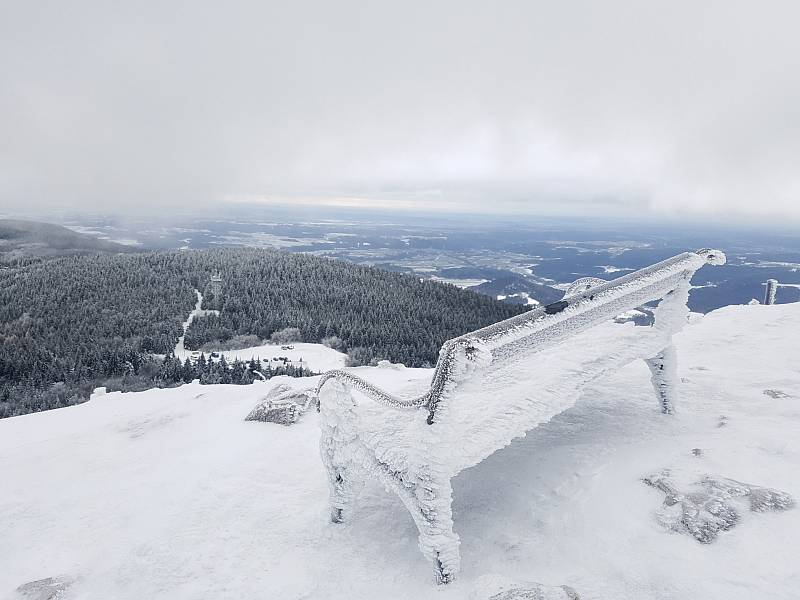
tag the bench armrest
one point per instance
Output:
(371, 391)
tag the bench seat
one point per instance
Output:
(513, 399)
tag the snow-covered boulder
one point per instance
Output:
(712, 504)
(496, 587)
(281, 405)
(387, 364)
(50, 588)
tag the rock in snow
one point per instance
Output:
(281, 405)
(712, 504)
(494, 587)
(200, 504)
(50, 588)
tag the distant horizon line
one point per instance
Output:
(302, 209)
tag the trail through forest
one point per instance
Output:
(180, 350)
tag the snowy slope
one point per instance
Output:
(316, 357)
(170, 494)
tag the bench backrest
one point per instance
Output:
(546, 326)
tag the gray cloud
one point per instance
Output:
(668, 107)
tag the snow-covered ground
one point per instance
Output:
(613, 269)
(316, 357)
(463, 283)
(524, 295)
(171, 494)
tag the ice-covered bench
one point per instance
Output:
(491, 386)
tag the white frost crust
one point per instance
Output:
(582, 285)
(345, 459)
(771, 291)
(514, 391)
(515, 396)
(489, 387)
(537, 329)
(664, 377)
(349, 458)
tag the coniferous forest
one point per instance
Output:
(72, 323)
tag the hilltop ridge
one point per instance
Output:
(21, 238)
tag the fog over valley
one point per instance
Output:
(666, 108)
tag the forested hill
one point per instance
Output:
(82, 319)
(20, 239)
(390, 315)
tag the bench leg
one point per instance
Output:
(341, 453)
(345, 483)
(664, 376)
(427, 496)
(430, 503)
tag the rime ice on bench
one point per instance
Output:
(491, 386)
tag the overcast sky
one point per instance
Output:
(558, 107)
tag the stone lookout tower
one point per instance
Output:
(216, 288)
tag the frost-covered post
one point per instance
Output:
(769, 293)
